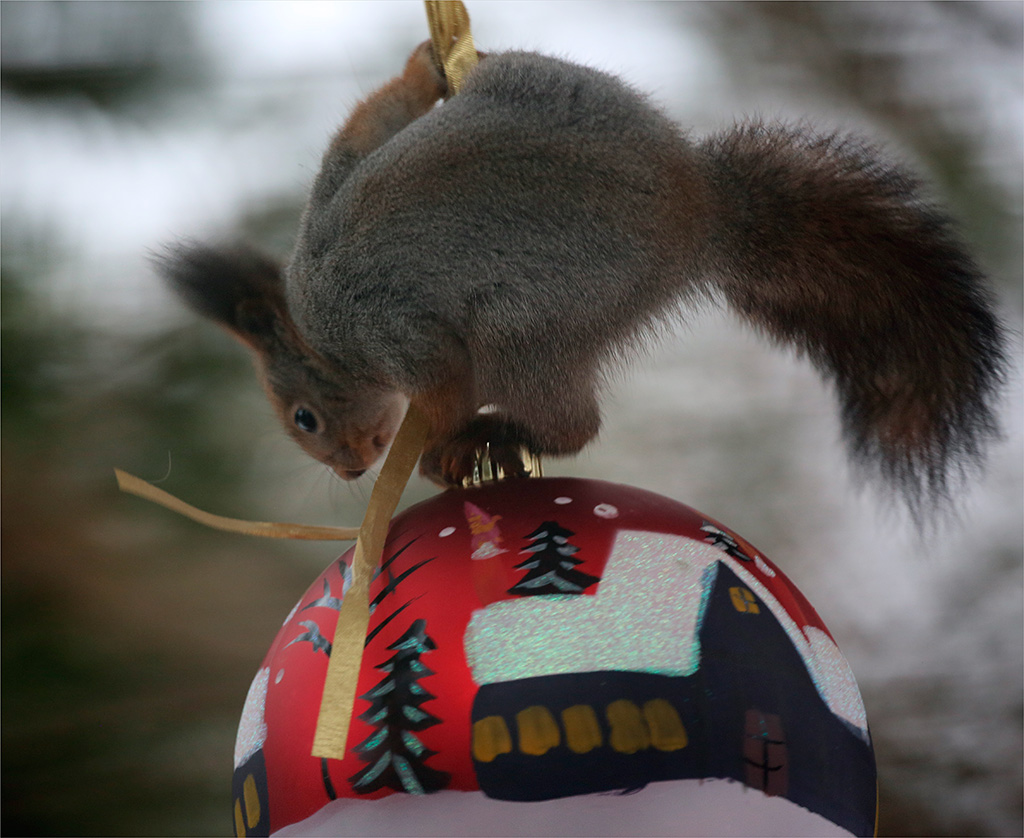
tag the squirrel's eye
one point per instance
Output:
(305, 420)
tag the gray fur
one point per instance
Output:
(506, 246)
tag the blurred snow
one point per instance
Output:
(714, 417)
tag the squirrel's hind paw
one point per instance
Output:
(458, 457)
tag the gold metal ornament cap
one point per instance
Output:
(486, 470)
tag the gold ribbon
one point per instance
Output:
(448, 21)
(339, 694)
(140, 488)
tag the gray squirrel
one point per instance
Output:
(505, 247)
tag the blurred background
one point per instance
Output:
(130, 635)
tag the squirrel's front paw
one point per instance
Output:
(455, 459)
(425, 73)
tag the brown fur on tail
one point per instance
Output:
(835, 252)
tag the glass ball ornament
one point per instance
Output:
(559, 656)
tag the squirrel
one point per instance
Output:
(503, 248)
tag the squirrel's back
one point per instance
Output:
(536, 213)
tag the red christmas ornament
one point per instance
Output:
(562, 656)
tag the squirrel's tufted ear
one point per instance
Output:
(234, 285)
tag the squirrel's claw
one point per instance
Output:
(455, 460)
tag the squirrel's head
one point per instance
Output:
(344, 418)
(339, 420)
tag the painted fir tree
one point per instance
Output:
(394, 755)
(551, 568)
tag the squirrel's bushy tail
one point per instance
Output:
(829, 249)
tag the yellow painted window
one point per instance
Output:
(744, 600)
(490, 738)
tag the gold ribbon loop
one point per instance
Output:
(448, 21)
(453, 46)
